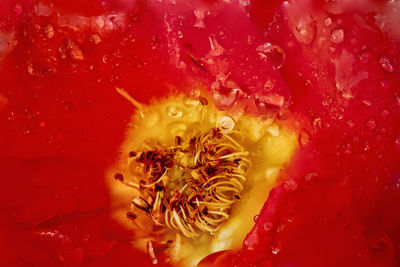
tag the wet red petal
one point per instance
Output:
(334, 64)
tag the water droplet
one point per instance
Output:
(30, 69)
(305, 30)
(154, 42)
(371, 124)
(317, 123)
(225, 101)
(277, 56)
(180, 35)
(174, 112)
(276, 247)
(311, 177)
(244, 3)
(255, 219)
(270, 100)
(367, 146)
(49, 31)
(273, 53)
(290, 185)
(95, 38)
(273, 130)
(397, 142)
(226, 124)
(386, 63)
(367, 102)
(100, 22)
(269, 85)
(304, 137)
(190, 102)
(385, 113)
(337, 36)
(364, 56)
(267, 226)
(200, 15)
(251, 240)
(348, 149)
(350, 123)
(215, 48)
(328, 21)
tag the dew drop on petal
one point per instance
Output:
(244, 3)
(348, 149)
(273, 130)
(328, 21)
(95, 38)
(215, 48)
(251, 240)
(200, 15)
(226, 124)
(174, 112)
(311, 177)
(274, 100)
(371, 124)
(397, 142)
(277, 57)
(364, 56)
(255, 219)
(225, 101)
(100, 22)
(180, 34)
(190, 102)
(317, 123)
(290, 185)
(337, 36)
(305, 30)
(384, 113)
(49, 31)
(267, 226)
(273, 54)
(276, 247)
(386, 64)
(304, 137)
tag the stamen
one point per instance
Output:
(191, 185)
(129, 98)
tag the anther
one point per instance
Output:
(119, 177)
(203, 101)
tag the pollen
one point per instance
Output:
(191, 178)
(191, 185)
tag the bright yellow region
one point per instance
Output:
(270, 146)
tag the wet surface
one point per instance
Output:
(330, 69)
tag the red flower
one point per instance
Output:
(329, 69)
